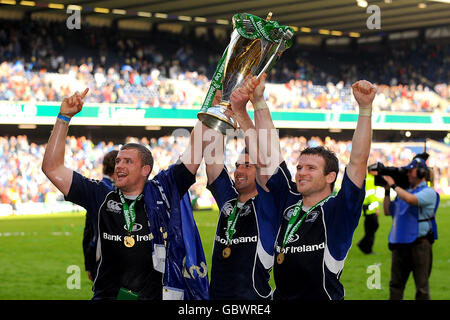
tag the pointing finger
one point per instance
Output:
(84, 93)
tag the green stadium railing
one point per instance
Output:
(126, 115)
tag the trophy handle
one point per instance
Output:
(278, 50)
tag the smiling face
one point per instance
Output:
(130, 173)
(310, 176)
(245, 175)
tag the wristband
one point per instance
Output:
(394, 186)
(261, 104)
(365, 111)
(64, 118)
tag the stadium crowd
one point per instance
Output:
(43, 61)
(39, 64)
(22, 180)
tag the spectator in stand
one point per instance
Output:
(37, 57)
(20, 160)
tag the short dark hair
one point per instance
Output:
(331, 161)
(109, 162)
(246, 152)
(144, 153)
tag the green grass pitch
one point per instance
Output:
(40, 256)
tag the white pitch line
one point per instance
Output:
(24, 234)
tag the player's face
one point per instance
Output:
(310, 177)
(245, 174)
(129, 171)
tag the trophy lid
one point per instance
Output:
(252, 27)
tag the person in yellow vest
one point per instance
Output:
(370, 211)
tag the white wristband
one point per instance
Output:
(365, 111)
(261, 104)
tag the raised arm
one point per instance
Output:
(239, 99)
(193, 155)
(364, 93)
(214, 153)
(268, 139)
(53, 162)
(205, 142)
(261, 137)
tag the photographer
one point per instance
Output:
(413, 230)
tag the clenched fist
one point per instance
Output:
(364, 93)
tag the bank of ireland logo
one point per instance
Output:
(113, 206)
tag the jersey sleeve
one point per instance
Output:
(269, 220)
(181, 175)
(341, 216)
(280, 186)
(88, 193)
(222, 188)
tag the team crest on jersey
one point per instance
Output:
(228, 209)
(113, 206)
(312, 216)
(288, 213)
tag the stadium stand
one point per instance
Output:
(127, 68)
(43, 61)
(25, 182)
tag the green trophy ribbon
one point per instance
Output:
(216, 82)
(269, 30)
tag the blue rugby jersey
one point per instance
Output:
(315, 255)
(119, 266)
(245, 274)
(90, 237)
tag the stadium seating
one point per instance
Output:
(40, 64)
(25, 181)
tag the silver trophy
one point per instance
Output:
(255, 46)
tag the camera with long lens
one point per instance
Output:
(398, 174)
